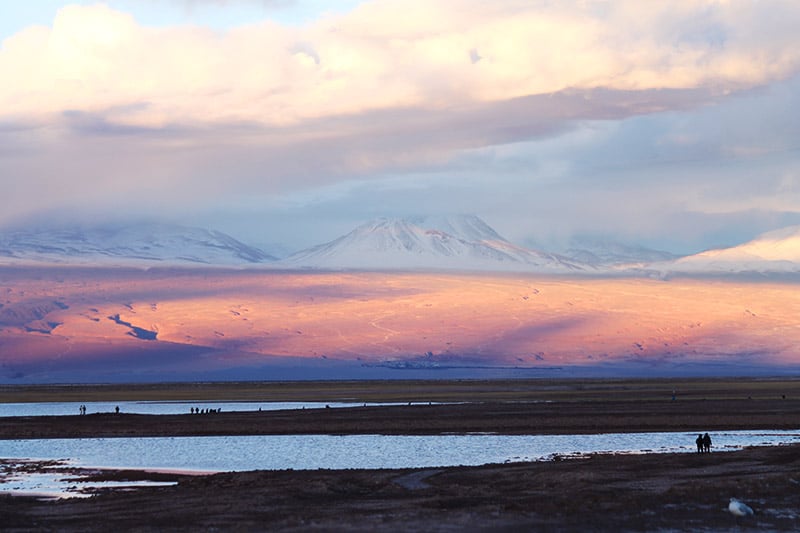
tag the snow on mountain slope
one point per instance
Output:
(465, 227)
(604, 252)
(774, 251)
(459, 242)
(141, 244)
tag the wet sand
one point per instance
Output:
(663, 492)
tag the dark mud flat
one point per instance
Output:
(672, 492)
(534, 406)
(511, 418)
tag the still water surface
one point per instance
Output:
(277, 452)
(305, 452)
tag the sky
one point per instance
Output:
(669, 124)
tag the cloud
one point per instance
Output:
(83, 155)
(389, 54)
(492, 107)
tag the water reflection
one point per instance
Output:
(55, 480)
(305, 452)
(276, 452)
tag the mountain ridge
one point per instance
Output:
(137, 244)
(611, 253)
(461, 242)
(775, 251)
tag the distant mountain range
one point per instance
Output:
(139, 244)
(608, 253)
(463, 242)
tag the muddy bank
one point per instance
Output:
(672, 492)
(513, 418)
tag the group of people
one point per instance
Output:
(198, 411)
(703, 443)
(82, 409)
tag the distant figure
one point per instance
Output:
(673, 395)
(116, 409)
(706, 443)
(699, 442)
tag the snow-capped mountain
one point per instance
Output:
(604, 252)
(775, 251)
(139, 244)
(463, 242)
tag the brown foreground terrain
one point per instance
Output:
(669, 492)
(658, 492)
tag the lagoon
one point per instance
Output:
(308, 452)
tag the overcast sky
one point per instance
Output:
(671, 124)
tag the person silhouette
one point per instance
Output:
(706, 443)
(699, 442)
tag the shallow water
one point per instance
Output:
(304, 452)
(63, 482)
(308, 452)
